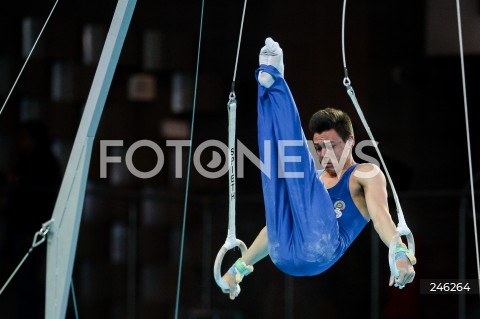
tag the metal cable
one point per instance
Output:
(74, 299)
(28, 57)
(467, 127)
(239, 42)
(42, 233)
(185, 205)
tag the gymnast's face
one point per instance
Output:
(329, 144)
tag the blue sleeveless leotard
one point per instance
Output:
(305, 237)
(350, 220)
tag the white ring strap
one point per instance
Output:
(231, 241)
(402, 228)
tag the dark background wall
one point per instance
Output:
(127, 259)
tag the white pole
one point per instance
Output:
(63, 233)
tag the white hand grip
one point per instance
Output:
(217, 267)
(393, 246)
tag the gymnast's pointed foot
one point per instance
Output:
(270, 54)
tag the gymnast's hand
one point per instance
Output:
(406, 273)
(230, 280)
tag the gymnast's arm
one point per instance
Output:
(257, 251)
(375, 189)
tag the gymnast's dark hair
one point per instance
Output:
(331, 118)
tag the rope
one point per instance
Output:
(467, 127)
(185, 205)
(402, 228)
(28, 57)
(42, 233)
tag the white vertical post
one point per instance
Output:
(63, 234)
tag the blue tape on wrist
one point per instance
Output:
(401, 255)
(233, 270)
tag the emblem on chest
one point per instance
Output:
(338, 206)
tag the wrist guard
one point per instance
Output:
(403, 252)
(240, 269)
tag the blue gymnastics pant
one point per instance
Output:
(303, 232)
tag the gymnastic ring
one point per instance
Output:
(393, 246)
(217, 271)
